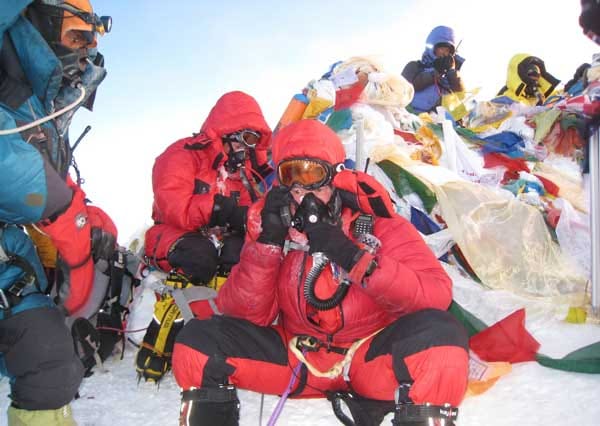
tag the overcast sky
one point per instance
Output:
(168, 62)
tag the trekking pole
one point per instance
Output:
(360, 137)
(262, 406)
(594, 174)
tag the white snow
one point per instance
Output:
(529, 395)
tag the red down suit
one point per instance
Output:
(190, 172)
(400, 309)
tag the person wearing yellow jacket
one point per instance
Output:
(527, 81)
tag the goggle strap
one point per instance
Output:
(92, 19)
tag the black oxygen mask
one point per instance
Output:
(313, 210)
(235, 159)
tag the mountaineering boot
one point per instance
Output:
(364, 411)
(409, 414)
(60, 417)
(153, 359)
(210, 407)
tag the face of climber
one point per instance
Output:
(80, 42)
(237, 145)
(534, 73)
(442, 49)
(323, 193)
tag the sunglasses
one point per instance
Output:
(309, 173)
(246, 137)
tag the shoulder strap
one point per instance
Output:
(14, 89)
(20, 262)
(3, 256)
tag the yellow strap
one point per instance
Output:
(338, 367)
(166, 324)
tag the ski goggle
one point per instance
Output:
(100, 24)
(309, 173)
(246, 137)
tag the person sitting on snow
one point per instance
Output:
(437, 73)
(359, 298)
(203, 185)
(49, 67)
(527, 81)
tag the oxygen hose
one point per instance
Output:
(48, 117)
(320, 261)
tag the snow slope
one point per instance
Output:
(529, 395)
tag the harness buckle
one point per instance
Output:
(308, 343)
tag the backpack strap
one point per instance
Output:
(14, 88)
(13, 294)
(183, 298)
(3, 256)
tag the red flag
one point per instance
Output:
(507, 340)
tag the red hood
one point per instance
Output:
(308, 139)
(236, 111)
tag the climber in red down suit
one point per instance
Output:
(362, 304)
(204, 182)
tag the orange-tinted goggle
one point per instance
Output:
(247, 137)
(309, 173)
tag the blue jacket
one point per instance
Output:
(34, 163)
(427, 98)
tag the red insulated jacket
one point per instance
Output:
(188, 174)
(408, 278)
(266, 283)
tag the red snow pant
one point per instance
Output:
(428, 349)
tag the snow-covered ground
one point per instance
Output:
(529, 395)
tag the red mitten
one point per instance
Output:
(361, 191)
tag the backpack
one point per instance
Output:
(96, 338)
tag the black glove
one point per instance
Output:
(237, 219)
(274, 230)
(331, 240)
(444, 63)
(227, 212)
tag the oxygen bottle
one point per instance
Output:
(293, 112)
